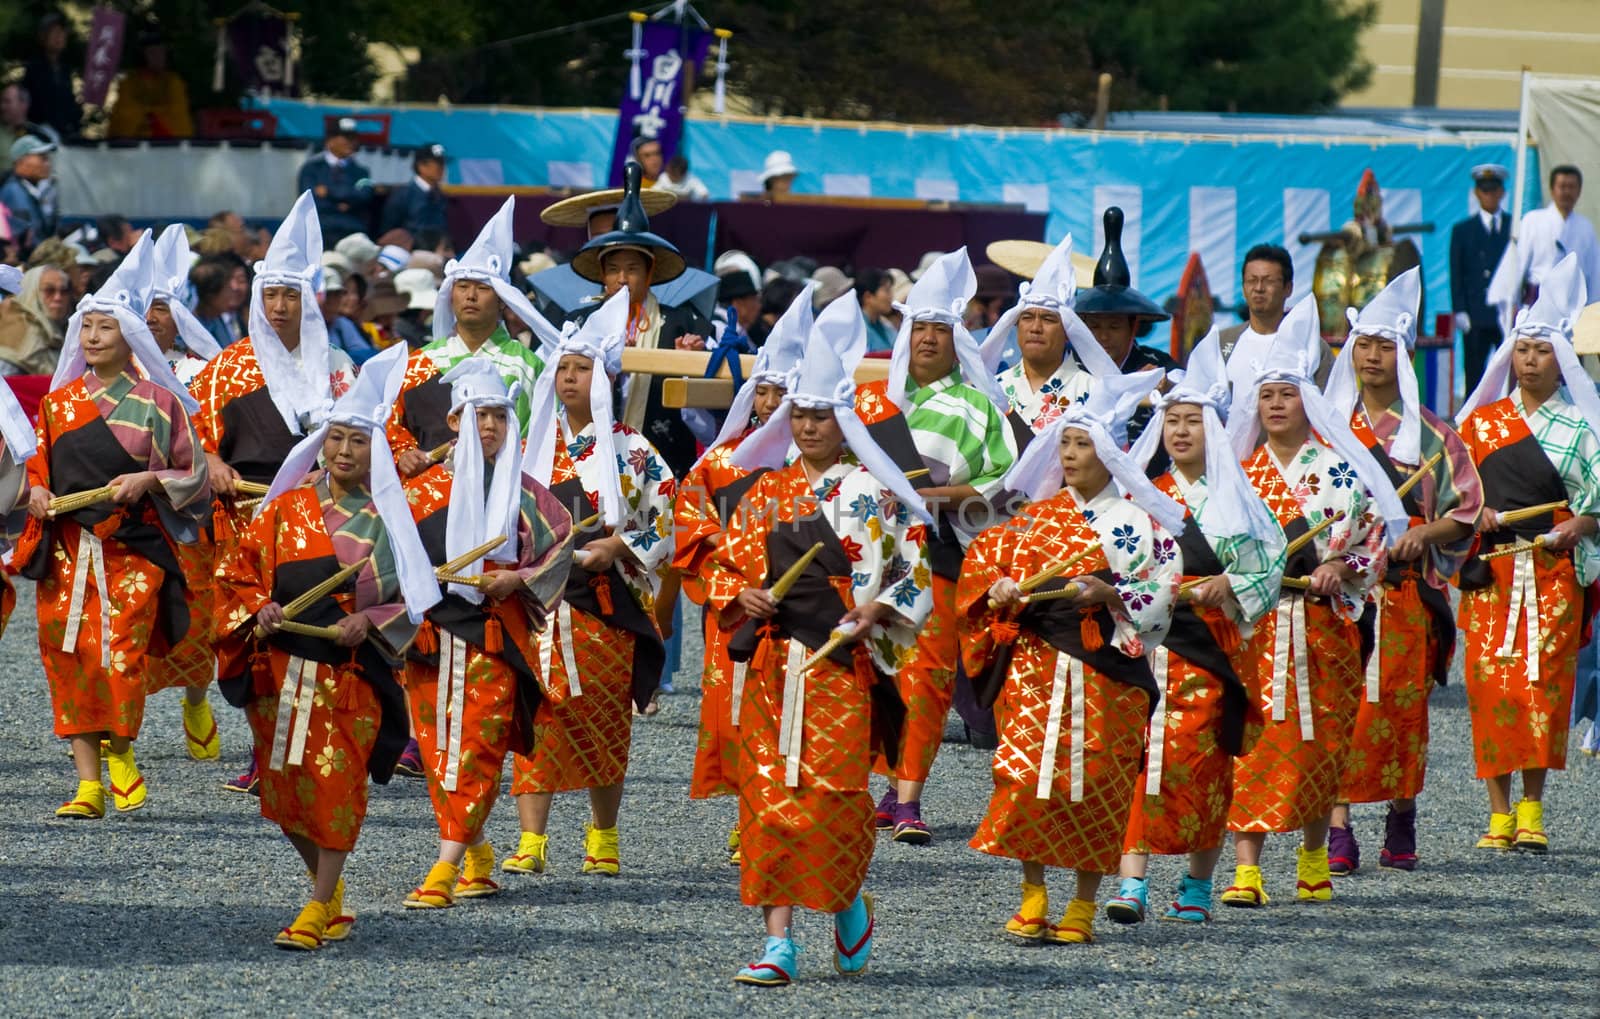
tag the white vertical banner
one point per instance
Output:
(847, 185)
(1213, 233)
(1130, 199)
(744, 182)
(1305, 210)
(1033, 197)
(933, 189)
(1404, 205)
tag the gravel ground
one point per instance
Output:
(172, 909)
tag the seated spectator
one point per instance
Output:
(737, 290)
(776, 296)
(997, 291)
(341, 186)
(13, 120)
(249, 244)
(221, 288)
(681, 182)
(419, 205)
(875, 289)
(777, 175)
(647, 152)
(152, 101)
(342, 332)
(29, 192)
(48, 80)
(33, 324)
(421, 288)
(378, 310)
(117, 233)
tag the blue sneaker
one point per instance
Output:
(852, 936)
(1128, 905)
(1193, 904)
(775, 967)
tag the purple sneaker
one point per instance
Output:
(1344, 856)
(410, 762)
(908, 826)
(885, 811)
(249, 783)
(1399, 841)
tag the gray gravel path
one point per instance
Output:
(171, 910)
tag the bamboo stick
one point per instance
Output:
(920, 472)
(1308, 537)
(80, 500)
(250, 487)
(318, 592)
(466, 558)
(782, 585)
(1064, 594)
(1422, 472)
(309, 630)
(1051, 572)
(1521, 546)
(587, 522)
(456, 578)
(1517, 516)
(437, 454)
(1297, 583)
(834, 642)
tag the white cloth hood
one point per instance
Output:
(476, 515)
(941, 295)
(1392, 316)
(489, 260)
(785, 345)
(297, 382)
(170, 284)
(1052, 288)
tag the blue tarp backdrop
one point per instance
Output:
(1214, 195)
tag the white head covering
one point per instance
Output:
(785, 345)
(1052, 288)
(1292, 357)
(476, 516)
(1392, 316)
(10, 280)
(489, 261)
(1104, 415)
(601, 339)
(1552, 318)
(1232, 505)
(825, 378)
(170, 284)
(15, 428)
(297, 382)
(941, 295)
(126, 297)
(367, 406)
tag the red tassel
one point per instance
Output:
(1225, 633)
(344, 689)
(602, 593)
(845, 588)
(427, 640)
(1005, 631)
(494, 640)
(1089, 631)
(1408, 597)
(861, 658)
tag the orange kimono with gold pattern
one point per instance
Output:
(1525, 615)
(1308, 651)
(706, 497)
(110, 587)
(805, 816)
(13, 493)
(324, 717)
(1071, 688)
(470, 674)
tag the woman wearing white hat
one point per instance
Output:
(777, 175)
(603, 646)
(707, 495)
(324, 706)
(1069, 678)
(810, 729)
(110, 587)
(1524, 611)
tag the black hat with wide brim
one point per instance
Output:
(1112, 293)
(631, 233)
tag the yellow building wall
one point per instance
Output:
(1486, 44)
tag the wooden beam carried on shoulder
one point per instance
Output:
(687, 386)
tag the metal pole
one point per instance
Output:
(1430, 43)
(1522, 154)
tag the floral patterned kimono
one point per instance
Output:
(1208, 713)
(110, 586)
(470, 675)
(707, 496)
(1307, 653)
(1039, 407)
(1074, 687)
(603, 645)
(1415, 630)
(324, 717)
(805, 816)
(1524, 614)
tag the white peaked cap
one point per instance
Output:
(489, 260)
(941, 295)
(1392, 316)
(367, 406)
(170, 283)
(476, 515)
(825, 379)
(126, 297)
(299, 386)
(1052, 289)
(785, 345)
(600, 338)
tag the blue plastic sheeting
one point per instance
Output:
(1180, 193)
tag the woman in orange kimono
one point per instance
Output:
(707, 495)
(1526, 612)
(602, 648)
(1069, 677)
(810, 728)
(1312, 472)
(110, 589)
(1233, 563)
(323, 705)
(470, 676)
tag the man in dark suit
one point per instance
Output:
(342, 187)
(419, 206)
(1476, 244)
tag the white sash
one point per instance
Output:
(1158, 723)
(1289, 634)
(1525, 609)
(294, 698)
(1068, 680)
(91, 558)
(792, 724)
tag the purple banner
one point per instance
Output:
(105, 55)
(656, 107)
(259, 44)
